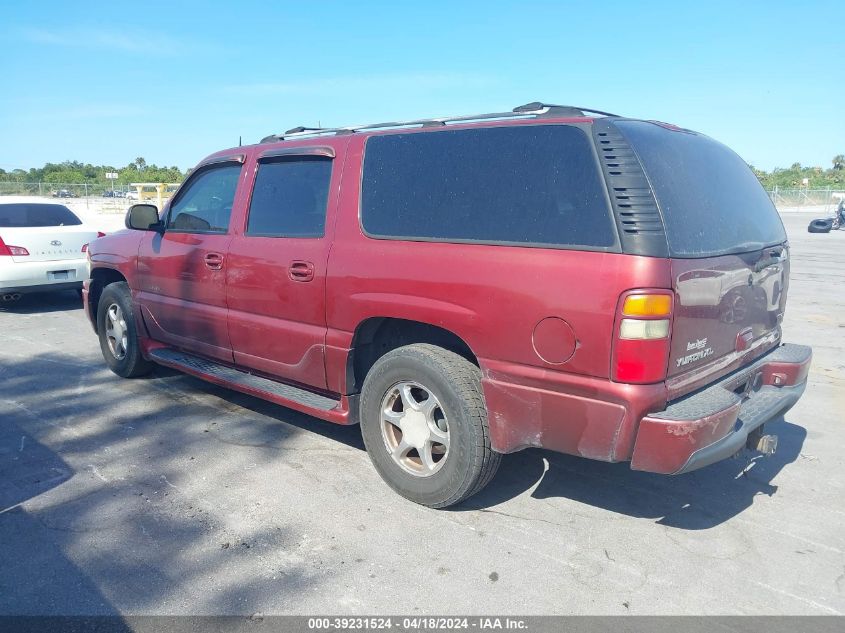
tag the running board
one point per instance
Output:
(241, 379)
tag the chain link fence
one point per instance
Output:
(804, 199)
(63, 189)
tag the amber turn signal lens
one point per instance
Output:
(647, 305)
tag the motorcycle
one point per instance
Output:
(826, 225)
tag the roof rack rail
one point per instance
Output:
(533, 109)
(559, 110)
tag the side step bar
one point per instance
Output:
(241, 379)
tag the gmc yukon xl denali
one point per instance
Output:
(467, 287)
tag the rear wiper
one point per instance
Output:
(745, 247)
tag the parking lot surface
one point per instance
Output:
(167, 495)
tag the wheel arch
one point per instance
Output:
(376, 336)
(99, 279)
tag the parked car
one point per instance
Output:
(132, 194)
(462, 288)
(42, 247)
(64, 193)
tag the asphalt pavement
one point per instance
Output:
(167, 495)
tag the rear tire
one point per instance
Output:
(424, 423)
(820, 226)
(119, 334)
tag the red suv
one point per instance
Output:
(467, 287)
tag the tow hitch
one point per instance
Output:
(766, 444)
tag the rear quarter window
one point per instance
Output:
(522, 185)
(710, 200)
(26, 214)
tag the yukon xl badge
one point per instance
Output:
(703, 352)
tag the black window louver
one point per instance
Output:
(637, 214)
(629, 189)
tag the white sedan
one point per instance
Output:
(42, 247)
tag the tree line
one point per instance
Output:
(793, 177)
(139, 171)
(74, 172)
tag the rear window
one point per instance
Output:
(27, 214)
(289, 198)
(522, 185)
(711, 201)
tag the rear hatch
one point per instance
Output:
(48, 232)
(728, 249)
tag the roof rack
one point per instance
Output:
(533, 109)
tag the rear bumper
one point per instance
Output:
(714, 423)
(51, 287)
(40, 276)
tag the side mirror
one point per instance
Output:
(143, 217)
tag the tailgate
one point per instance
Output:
(728, 251)
(728, 310)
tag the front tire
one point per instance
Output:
(118, 332)
(424, 423)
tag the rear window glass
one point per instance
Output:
(289, 198)
(711, 201)
(27, 214)
(522, 185)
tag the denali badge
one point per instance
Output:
(703, 352)
(697, 344)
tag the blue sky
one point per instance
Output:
(107, 82)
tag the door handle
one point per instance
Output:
(301, 271)
(214, 261)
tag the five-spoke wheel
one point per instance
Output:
(415, 428)
(116, 331)
(424, 423)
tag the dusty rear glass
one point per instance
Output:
(36, 215)
(289, 198)
(711, 201)
(533, 185)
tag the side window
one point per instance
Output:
(536, 185)
(206, 204)
(289, 198)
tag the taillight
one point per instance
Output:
(642, 335)
(7, 250)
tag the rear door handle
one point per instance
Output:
(301, 271)
(214, 261)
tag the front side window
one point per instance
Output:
(289, 198)
(205, 205)
(535, 185)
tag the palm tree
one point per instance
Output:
(141, 163)
(839, 162)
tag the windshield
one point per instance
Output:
(27, 214)
(710, 200)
